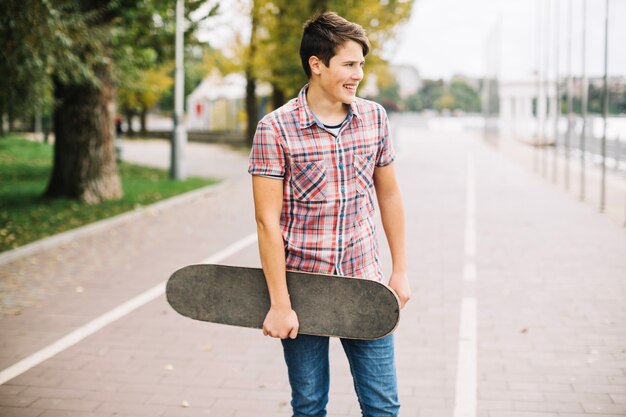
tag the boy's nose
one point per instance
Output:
(358, 74)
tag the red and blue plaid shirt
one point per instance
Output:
(327, 218)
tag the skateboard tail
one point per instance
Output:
(326, 305)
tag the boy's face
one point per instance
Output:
(344, 72)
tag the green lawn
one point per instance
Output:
(25, 216)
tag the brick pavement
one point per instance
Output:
(549, 290)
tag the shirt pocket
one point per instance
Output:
(364, 173)
(308, 181)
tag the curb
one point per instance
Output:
(41, 245)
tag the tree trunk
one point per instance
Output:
(84, 153)
(11, 117)
(1, 117)
(252, 109)
(129, 124)
(142, 119)
(278, 96)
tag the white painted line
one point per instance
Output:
(465, 398)
(470, 223)
(469, 272)
(109, 317)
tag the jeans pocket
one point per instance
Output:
(364, 173)
(308, 181)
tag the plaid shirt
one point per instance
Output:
(327, 218)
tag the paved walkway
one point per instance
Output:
(518, 305)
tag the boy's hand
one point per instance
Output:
(281, 322)
(400, 284)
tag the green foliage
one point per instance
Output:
(197, 66)
(414, 103)
(280, 24)
(143, 39)
(389, 96)
(41, 39)
(438, 95)
(430, 92)
(25, 216)
(65, 39)
(465, 97)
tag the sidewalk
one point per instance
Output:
(549, 288)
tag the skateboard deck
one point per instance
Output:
(326, 305)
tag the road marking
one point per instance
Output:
(107, 318)
(469, 272)
(470, 223)
(465, 398)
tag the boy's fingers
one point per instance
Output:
(293, 333)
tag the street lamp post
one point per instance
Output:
(179, 133)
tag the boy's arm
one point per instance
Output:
(392, 214)
(281, 321)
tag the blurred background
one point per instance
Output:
(549, 73)
(125, 129)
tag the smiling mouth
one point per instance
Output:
(350, 87)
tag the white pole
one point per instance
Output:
(557, 89)
(583, 103)
(570, 94)
(605, 109)
(179, 134)
(538, 95)
(547, 52)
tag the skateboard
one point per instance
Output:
(326, 305)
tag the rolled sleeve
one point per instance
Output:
(267, 156)
(386, 154)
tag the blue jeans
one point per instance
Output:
(373, 372)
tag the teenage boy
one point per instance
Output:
(316, 164)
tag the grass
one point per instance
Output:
(25, 216)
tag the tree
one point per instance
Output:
(279, 30)
(84, 165)
(252, 110)
(144, 94)
(143, 41)
(445, 102)
(35, 41)
(414, 102)
(465, 97)
(69, 47)
(389, 96)
(430, 92)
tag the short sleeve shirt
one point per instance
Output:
(327, 218)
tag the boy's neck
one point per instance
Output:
(327, 111)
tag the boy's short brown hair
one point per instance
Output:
(324, 33)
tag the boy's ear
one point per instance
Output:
(315, 63)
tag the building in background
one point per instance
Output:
(408, 79)
(218, 103)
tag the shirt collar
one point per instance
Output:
(306, 116)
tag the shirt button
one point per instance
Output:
(340, 239)
(343, 190)
(340, 166)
